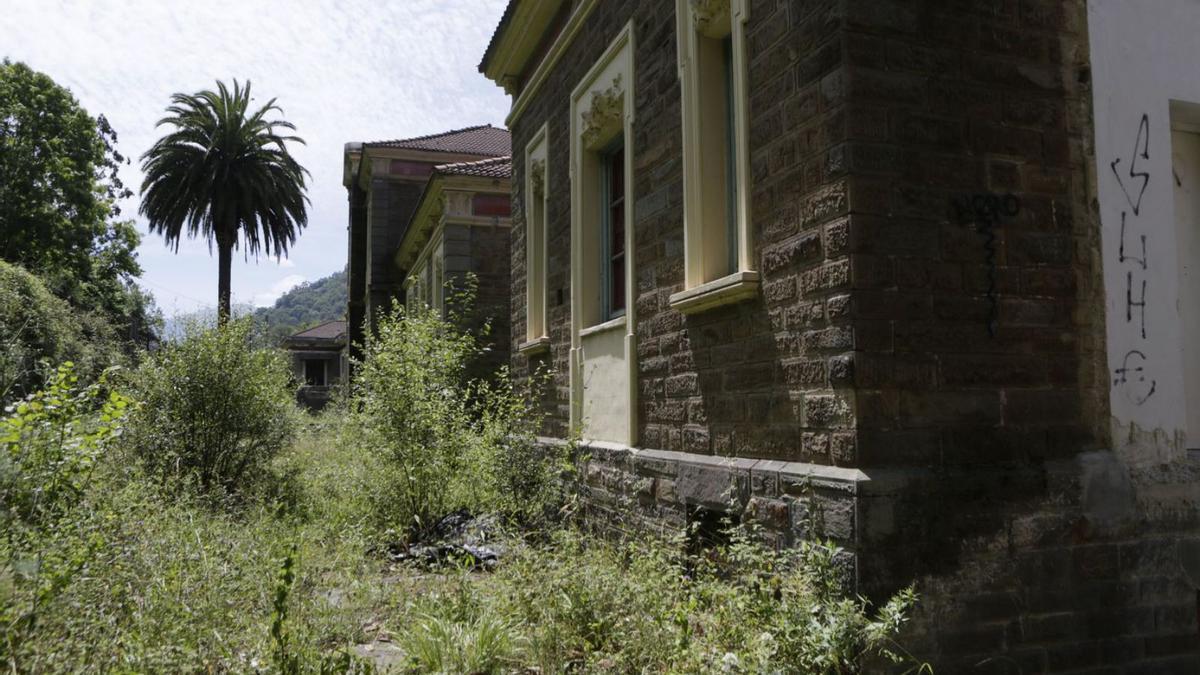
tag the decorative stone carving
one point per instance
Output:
(710, 17)
(605, 113)
(459, 203)
(537, 176)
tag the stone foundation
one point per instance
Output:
(1077, 564)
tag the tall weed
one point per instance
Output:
(444, 440)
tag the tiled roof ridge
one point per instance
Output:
(493, 167)
(311, 329)
(476, 162)
(440, 134)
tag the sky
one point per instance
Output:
(342, 70)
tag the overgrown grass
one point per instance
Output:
(105, 567)
(178, 585)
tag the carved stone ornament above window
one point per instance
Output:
(603, 117)
(710, 17)
(459, 203)
(537, 175)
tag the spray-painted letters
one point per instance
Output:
(1131, 375)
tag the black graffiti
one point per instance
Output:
(1130, 305)
(1132, 372)
(1142, 143)
(985, 207)
(985, 211)
(1121, 252)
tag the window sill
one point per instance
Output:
(728, 290)
(535, 346)
(611, 324)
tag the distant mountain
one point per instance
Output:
(305, 306)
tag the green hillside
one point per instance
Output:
(305, 306)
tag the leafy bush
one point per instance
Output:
(49, 445)
(213, 411)
(444, 441)
(38, 331)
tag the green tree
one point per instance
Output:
(303, 307)
(59, 190)
(224, 172)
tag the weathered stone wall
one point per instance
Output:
(356, 268)
(1083, 563)
(931, 323)
(483, 251)
(391, 205)
(758, 379)
(978, 306)
(1075, 565)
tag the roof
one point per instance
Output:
(500, 28)
(496, 167)
(485, 140)
(330, 330)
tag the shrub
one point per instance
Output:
(214, 412)
(49, 445)
(39, 330)
(444, 441)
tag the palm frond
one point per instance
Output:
(223, 172)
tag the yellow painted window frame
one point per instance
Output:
(600, 110)
(537, 198)
(704, 289)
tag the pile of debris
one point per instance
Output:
(458, 539)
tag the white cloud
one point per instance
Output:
(269, 296)
(342, 70)
(285, 263)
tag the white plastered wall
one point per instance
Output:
(1144, 56)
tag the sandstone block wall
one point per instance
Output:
(927, 353)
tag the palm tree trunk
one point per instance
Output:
(224, 274)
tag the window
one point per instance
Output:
(438, 286)
(314, 372)
(602, 361)
(418, 287)
(717, 267)
(536, 253)
(612, 223)
(731, 219)
(427, 284)
(600, 207)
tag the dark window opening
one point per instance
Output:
(709, 529)
(314, 372)
(613, 231)
(731, 226)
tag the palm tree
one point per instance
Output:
(223, 171)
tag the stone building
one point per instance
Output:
(461, 227)
(318, 361)
(920, 271)
(384, 181)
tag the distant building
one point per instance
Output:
(461, 228)
(319, 361)
(385, 181)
